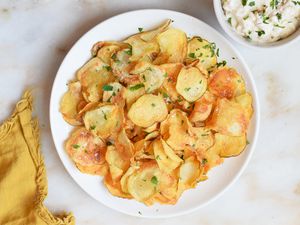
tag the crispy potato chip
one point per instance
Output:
(133, 92)
(123, 181)
(173, 46)
(202, 108)
(114, 93)
(87, 151)
(230, 146)
(148, 110)
(245, 101)
(228, 118)
(201, 49)
(175, 130)
(152, 128)
(191, 83)
(69, 104)
(204, 138)
(151, 76)
(189, 172)
(165, 157)
(104, 120)
(143, 183)
(105, 49)
(225, 82)
(114, 187)
(92, 76)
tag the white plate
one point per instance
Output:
(117, 28)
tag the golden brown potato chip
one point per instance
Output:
(176, 130)
(148, 110)
(202, 108)
(165, 157)
(104, 121)
(133, 92)
(114, 187)
(114, 93)
(225, 82)
(173, 46)
(204, 138)
(191, 83)
(230, 146)
(151, 76)
(228, 118)
(201, 49)
(92, 76)
(245, 101)
(87, 151)
(105, 49)
(69, 104)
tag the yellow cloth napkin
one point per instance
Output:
(23, 182)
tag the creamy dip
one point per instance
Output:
(263, 20)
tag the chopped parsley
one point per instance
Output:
(222, 63)
(108, 143)
(199, 39)
(129, 51)
(217, 53)
(252, 3)
(136, 87)
(192, 55)
(104, 115)
(140, 29)
(93, 127)
(277, 25)
(265, 18)
(76, 146)
(260, 32)
(274, 3)
(279, 16)
(157, 157)
(152, 104)
(244, 2)
(247, 142)
(246, 17)
(154, 180)
(204, 161)
(229, 20)
(165, 95)
(296, 2)
(187, 89)
(107, 87)
(165, 75)
(108, 68)
(114, 57)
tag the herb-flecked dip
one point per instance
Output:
(263, 21)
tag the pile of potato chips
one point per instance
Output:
(154, 113)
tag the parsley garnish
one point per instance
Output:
(154, 180)
(93, 127)
(274, 4)
(192, 55)
(187, 89)
(278, 16)
(107, 88)
(165, 75)
(104, 115)
(244, 2)
(108, 68)
(251, 3)
(247, 142)
(229, 20)
(200, 39)
(114, 57)
(204, 161)
(265, 18)
(223, 63)
(157, 157)
(76, 146)
(260, 32)
(152, 104)
(140, 29)
(129, 51)
(136, 87)
(217, 53)
(277, 25)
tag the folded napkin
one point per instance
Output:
(23, 182)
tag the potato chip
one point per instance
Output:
(230, 146)
(133, 92)
(191, 83)
(175, 130)
(69, 104)
(151, 76)
(245, 101)
(201, 49)
(202, 108)
(87, 151)
(114, 187)
(92, 76)
(228, 118)
(225, 82)
(204, 138)
(104, 120)
(114, 93)
(173, 46)
(148, 110)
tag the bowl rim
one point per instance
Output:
(293, 37)
(256, 122)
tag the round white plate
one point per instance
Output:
(118, 28)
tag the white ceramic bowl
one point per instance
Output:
(118, 28)
(235, 36)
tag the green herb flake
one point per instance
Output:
(157, 157)
(187, 89)
(247, 142)
(136, 87)
(104, 115)
(192, 55)
(265, 18)
(75, 146)
(229, 20)
(165, 95)
(152, 104)
(93, 127)
(274, 3)
(204, 161)
(107, 87)
(277, 25)
(244, 2)
(246, 17)
(279, 16)
(222, 63)
(199, 39)
(165, 75)
(154, 180)
(260, 32)
(217, 53)
(140, 29)
(108, 68)
(252, 3)
(114, 57)
(129, 51)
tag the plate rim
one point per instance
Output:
(254, 93)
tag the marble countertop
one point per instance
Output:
(35, 35)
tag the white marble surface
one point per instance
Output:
(35, 36)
